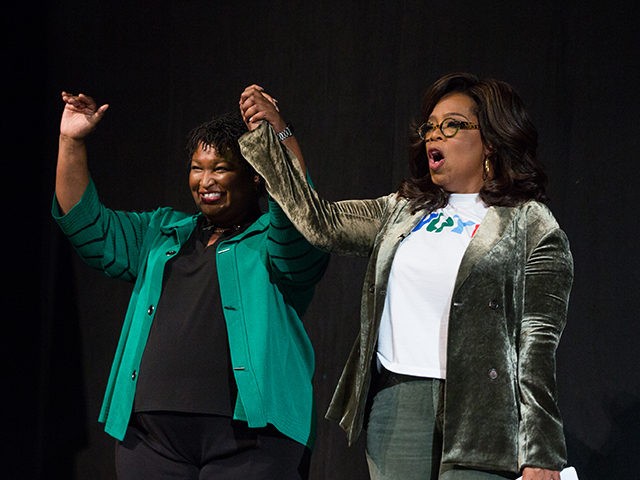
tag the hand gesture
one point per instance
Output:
(257, 105)
(80, 115)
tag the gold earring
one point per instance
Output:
(487, 170)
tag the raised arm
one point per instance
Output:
(257, 105)
(79, 118)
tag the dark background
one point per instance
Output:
(349, 75)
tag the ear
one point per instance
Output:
(488, 151)
(257, 182)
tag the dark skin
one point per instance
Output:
(79, 118)
(223, 188)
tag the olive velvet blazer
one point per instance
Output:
(508, 311)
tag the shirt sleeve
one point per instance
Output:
(107, 240)
(294, 261)
(347, 227)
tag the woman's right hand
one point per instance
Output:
(80, 116)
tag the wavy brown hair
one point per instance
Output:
(505, 127)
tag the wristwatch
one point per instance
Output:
(286, 133)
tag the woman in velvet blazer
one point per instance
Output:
(495, 412)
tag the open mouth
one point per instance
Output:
(436, 158)
(210, 197)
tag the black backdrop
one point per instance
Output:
(349, 75)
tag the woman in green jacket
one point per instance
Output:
(212, 376)
(465, 296)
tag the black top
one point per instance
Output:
(186, 365)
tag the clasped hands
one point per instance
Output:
(257, 105)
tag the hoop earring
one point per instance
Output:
(487, 170)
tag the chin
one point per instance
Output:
(210, 212)
(437, 182)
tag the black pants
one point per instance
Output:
(168, 445)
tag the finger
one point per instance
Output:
(267, 96)
(250, 90)
(262, 105)
(252, 112)
(271, 99)
(67, 97)
(253, 125)
(257, 117)
(244, 108)
(255, 103)
(247, 101)
(83, 100)
(102, 109)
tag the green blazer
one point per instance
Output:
(267, 275)
(507, 314)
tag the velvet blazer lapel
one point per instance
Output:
(489, 233)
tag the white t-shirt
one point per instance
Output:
(413, 331)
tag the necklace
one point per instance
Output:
(215, 229)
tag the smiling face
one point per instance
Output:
(456, 163)
(223, 188)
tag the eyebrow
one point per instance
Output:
(450, 114)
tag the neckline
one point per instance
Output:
(463, 197)
(217, 229)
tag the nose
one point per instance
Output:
(435, 134)
(207, 179)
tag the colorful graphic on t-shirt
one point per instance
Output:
(436, 222)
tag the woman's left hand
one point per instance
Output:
(533, 473)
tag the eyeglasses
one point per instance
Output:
(449, 127)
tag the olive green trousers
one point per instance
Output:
(404, 432)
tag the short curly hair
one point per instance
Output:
(221, 132)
